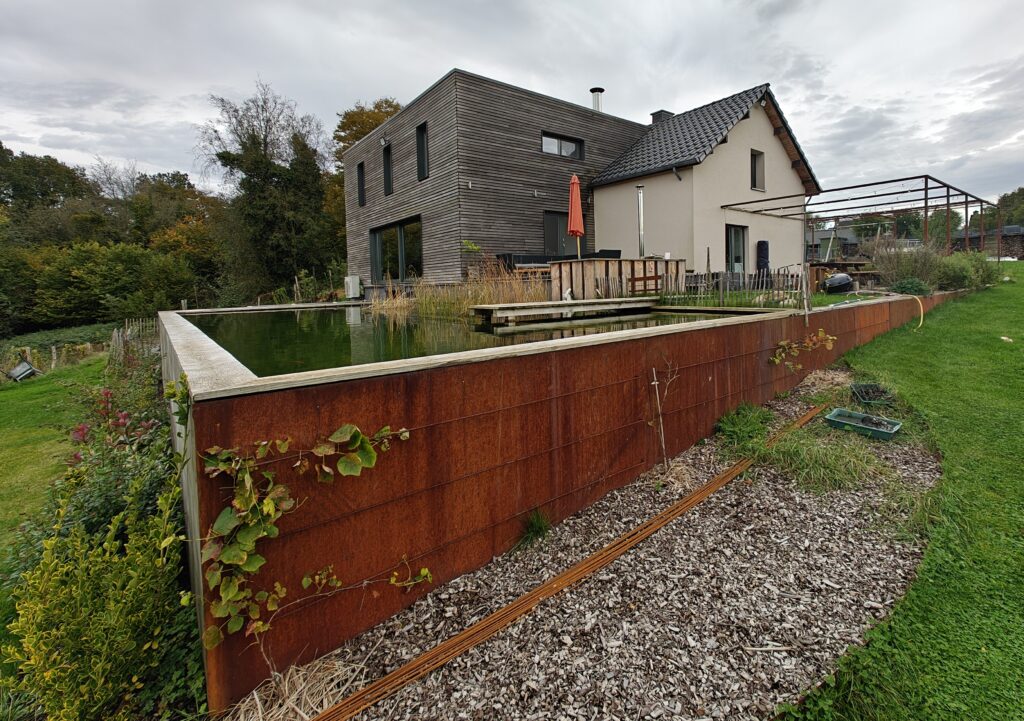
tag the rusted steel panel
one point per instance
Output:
(490, 442)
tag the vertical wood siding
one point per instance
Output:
(486, 134)
(435, 199)
(500, 128)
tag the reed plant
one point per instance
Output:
(493, 284)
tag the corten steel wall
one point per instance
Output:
(491, 441)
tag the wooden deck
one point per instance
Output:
(510, 313)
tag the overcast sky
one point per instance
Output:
(873, 89)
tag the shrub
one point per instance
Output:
(99, 629)
(894, 263)
(100, 620)
(985, 271)
(911, 286)
(955, 272)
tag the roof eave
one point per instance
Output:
(645, 173)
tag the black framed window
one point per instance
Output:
(396, 252)
(562, 145)
(756, 170)
(386, 156)
(422, 161)
(361, 183)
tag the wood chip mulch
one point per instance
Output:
(739, 605)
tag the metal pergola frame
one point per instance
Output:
(923, 194)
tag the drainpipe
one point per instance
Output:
(640, 216)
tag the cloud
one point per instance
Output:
(130, 80)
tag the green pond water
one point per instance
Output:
(290, 341)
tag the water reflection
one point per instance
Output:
(291, 341)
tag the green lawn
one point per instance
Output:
(34, 417)
(954, 647)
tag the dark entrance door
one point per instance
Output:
(557, 240)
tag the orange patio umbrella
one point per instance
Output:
(575, 212)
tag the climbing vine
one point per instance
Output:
(791, 349)
(258, 503)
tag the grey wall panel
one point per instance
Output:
(434, 199)
(507, 182)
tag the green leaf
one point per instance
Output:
(261, 596)
(226, 522)
(343, 434)
(253, 563)
(307, 581)
(366, 453)
(212, 637)
(282, 445)
(233, 554)
(213, 575)
(248, 536)
(324, 449)
(211, 550)
(382, 433)
(220, 609)
(403, 434)
(272, 530)
(350, 465)
(235, 624)
(261, 450)
(228, 588)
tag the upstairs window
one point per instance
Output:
(560, 145)
(361, 184)
(756, 170)
(422, 163)
(388, 187)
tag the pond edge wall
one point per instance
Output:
(492, 439)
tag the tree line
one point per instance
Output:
(82, 245)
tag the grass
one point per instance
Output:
(817, 457)
(536, 528)
(744, 429)
(954, 646)
(34, 416)
(822, 459)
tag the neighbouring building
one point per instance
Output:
(477, 163)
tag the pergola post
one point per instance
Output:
(927, 238)
(949, 230)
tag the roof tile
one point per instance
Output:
(684, 139)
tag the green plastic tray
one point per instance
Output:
(860, 391)
(845, 419)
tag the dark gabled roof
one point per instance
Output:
(688, 138)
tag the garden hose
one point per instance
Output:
(858, 293)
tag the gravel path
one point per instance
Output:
(737, 606)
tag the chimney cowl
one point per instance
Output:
(659, 116)
(595, 94)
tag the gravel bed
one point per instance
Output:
(735, 607)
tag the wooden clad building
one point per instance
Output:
(475, 160)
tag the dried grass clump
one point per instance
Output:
(494, 284)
